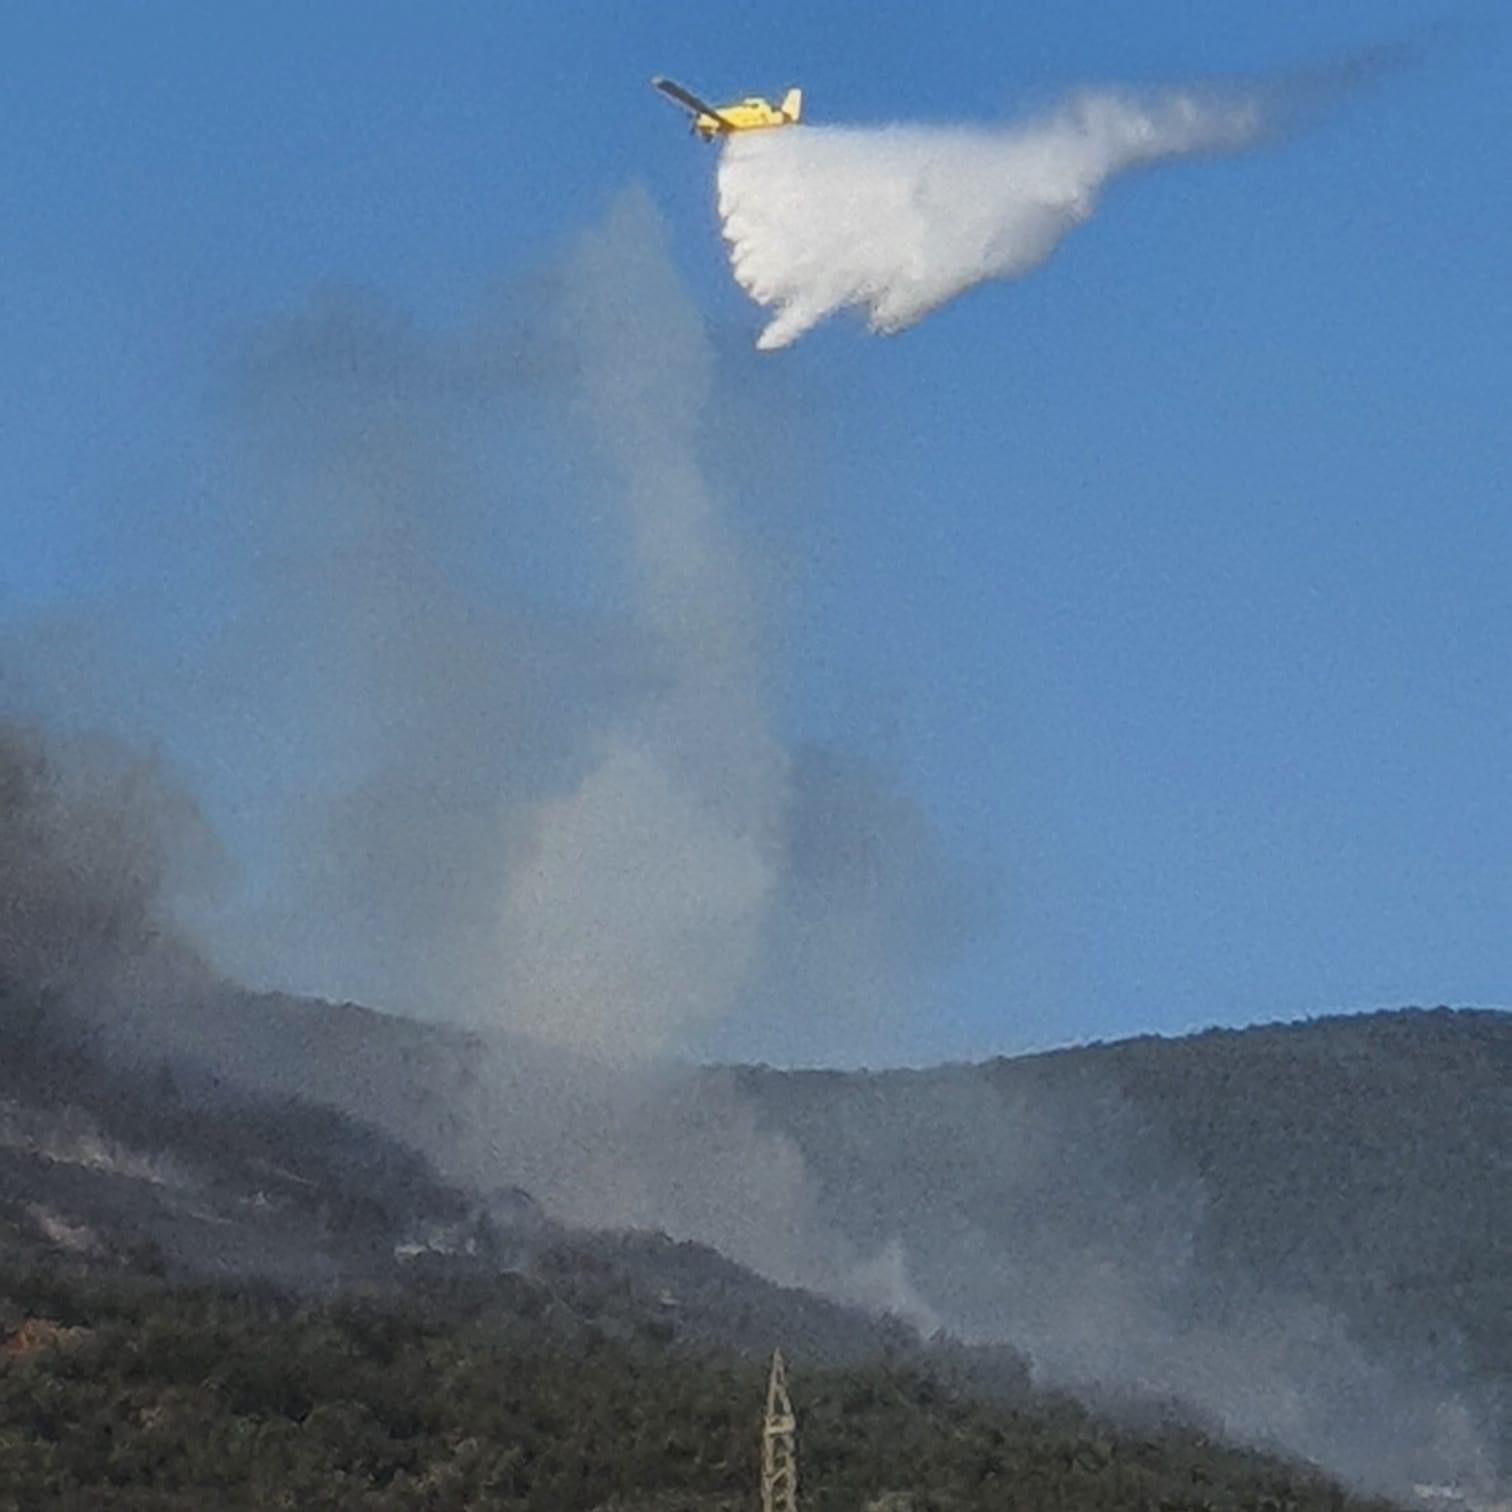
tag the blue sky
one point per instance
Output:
(1171, 582)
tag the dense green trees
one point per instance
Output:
(478, 1395)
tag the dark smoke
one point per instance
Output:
(93, 844)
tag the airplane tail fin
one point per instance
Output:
(792, 104)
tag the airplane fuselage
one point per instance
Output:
(751, 114)
(754, 114)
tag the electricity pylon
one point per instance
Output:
(779, 1450)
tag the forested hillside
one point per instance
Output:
(516, 1393)
(1357, 1159)
(1318, 1208)
(210, 1291)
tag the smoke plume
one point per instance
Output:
(900, 219)
(634, 912)
(484, 705)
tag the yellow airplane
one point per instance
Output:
(755, 114)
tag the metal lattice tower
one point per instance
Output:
(779, 1449)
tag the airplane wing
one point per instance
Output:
(687, 99)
